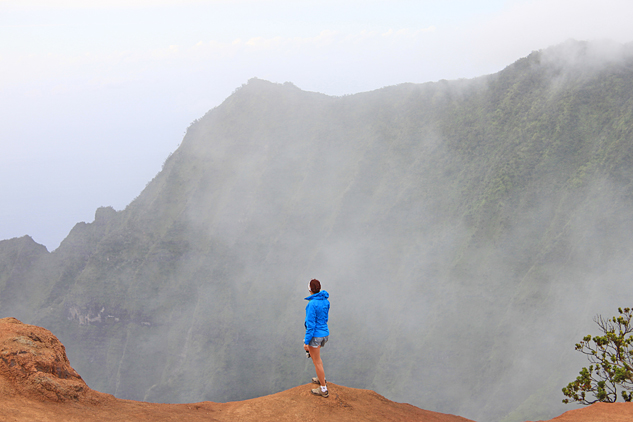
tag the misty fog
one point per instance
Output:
(466, 231)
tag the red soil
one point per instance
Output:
(37, 383)
(598, 412)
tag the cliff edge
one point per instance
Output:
(37, 383)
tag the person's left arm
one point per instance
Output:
(310, 324)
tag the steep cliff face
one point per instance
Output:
(466, 231)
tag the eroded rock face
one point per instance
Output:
(33, 362)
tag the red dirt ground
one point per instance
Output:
(37, 383)
(598, 412)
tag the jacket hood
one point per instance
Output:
(319, 296)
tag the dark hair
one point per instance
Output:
(315, 285)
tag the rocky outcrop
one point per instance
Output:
(33, 363)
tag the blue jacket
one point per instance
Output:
(317, 311)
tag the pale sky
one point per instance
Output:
(95, 94)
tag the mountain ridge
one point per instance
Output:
(437, 215)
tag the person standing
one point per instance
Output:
(317, 332)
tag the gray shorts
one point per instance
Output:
(318, 341)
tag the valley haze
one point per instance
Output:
(467, 232)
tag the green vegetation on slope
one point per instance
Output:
(451, 222)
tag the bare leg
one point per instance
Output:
(315, 353)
